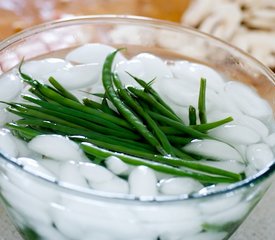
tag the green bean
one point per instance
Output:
(90, 103)
(202, 101)
(100, 95)
(152, 102)
(171, 130)
(130, 102)
(82, 123)
(37, 94)
(186, 129)
(179, 140)
(69, 131)
(77, 113)
(192, 115)
(199, 127)
(62, 90)
(122, 108)
(143, 147)
(77, 106)
(104, 107)
(147, 88)
(36, 113)
(207, 126)
(99, 152)
(177, 162)
(25, 77)
(52, 94)
(114, 147)
(34, 83)
(197, 166)
(28, 131)
(181, 154)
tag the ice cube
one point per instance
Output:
(93, 53)
(259, 155)
(69, 173)
(179, 185)
(56, 147)
(37, 69)
(7, 143)
(76, 77)
(143, 182)
(117, 166)
(115, 185)
(95, 173)
(213, 149)
(10, 87)
(235, 134)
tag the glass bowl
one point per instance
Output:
(70, 212)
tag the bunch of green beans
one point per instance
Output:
(142, 130)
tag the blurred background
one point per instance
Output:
(248, 24)
(19, 14)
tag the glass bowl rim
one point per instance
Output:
(141, 21)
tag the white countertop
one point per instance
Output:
(260, 225)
